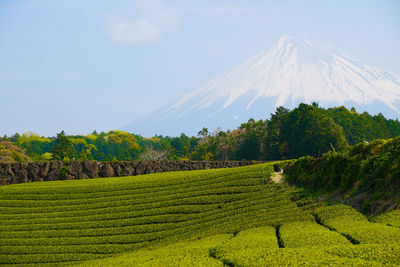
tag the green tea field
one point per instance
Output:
(234, 217)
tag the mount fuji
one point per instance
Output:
(294, 71)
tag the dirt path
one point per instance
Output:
(277, 177)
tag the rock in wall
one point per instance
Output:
(14, 173)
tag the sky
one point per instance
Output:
(91, 65)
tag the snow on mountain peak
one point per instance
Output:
(296, 69)
(283, 41)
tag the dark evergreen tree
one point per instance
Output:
(272, 142)
(63, 148)
(251, 136)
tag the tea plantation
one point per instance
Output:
(234, 217)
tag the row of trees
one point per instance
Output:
(287, 134)
(110, 146)
(305, 130)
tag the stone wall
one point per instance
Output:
(14, 173)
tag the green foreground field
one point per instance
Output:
(236, 217)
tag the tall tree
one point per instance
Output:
(272, 142)
(63, 147)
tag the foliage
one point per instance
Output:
(261, 256)
(256, 241)
(372, 170)
(307, 243)
(309, 234)
(272, 142)
(63, 148)
(151, 154)
(375, 254)
(32, 144)
(259, 247)
(391, 218)
(307, 131)
(47, 156)
(188, 253)
(356, 227)
(11, 153)
(363, 127)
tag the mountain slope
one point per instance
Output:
(291, 72)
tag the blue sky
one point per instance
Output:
(85, 65)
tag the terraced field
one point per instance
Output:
(65, 221)
(205, 218)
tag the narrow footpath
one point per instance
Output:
(277, 177)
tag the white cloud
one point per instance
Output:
(149, 21)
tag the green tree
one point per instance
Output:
(272, 142)
(203, 134)
(251, 136)
(10, 153)
(363, 127)
(308, 131)
(63, 148)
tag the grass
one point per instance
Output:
(196, 218)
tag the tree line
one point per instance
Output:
(305, 130)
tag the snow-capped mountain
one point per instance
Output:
(291, 72)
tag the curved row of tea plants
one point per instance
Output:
(391, 218)
(309, 234)
(187, 253)
(355, 226)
